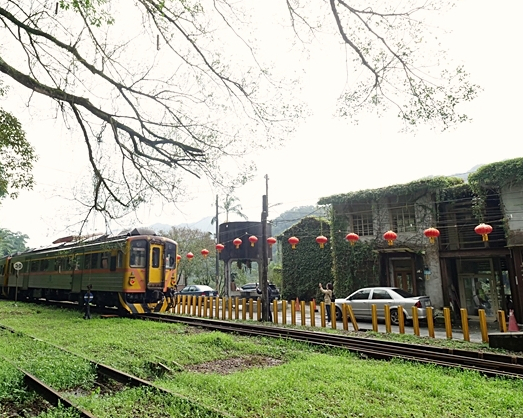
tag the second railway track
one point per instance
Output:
(489, 364)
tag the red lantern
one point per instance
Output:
(178, 258)
(205, 252)
(220, 247)
(271, 241)
(321, 240)
(237, 242)
(390, 236)
(352, 238)
(483, 230)
(293, 241)
(253, 239)
(190, 255)
(431, 234)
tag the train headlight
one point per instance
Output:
(131, 281)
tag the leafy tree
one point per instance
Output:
(16, 155)
(199, 270)
(230, 205)
(198, 92)
(12, 242)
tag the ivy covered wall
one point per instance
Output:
(308, 264)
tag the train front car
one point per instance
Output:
(149, 274)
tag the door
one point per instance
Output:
(403, 280)
(155, 274)
(360, 303)
(479, 292)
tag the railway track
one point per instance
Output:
(489, 364)
(103, 371)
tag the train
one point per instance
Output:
(133, 271)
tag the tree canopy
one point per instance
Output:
(16, 155)
(162, 89)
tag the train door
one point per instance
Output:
(155, 274)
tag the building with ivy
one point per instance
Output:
(462, 268)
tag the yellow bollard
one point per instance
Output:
(236, 308)
(178, 304)
(352, 317)
(430, 322)
(502, 321)
(251, 309)
(388, 325)
(244, 309)
(374, 313)
(344, 317)
(293, 314)
(211, 300)
(415, 320)
(332, 307)
(275, 311)
(218, 308)
(483, 325)
(258, 309)
(322, 314)
(200, 306)
(184, 301)
(312, 314)
(448, 322)
(465, 324)
(302, 307)
(194, 305)
(284, 312)
(229, 309)
(205, 306)
(401, 319)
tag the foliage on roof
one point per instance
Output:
(497, 174)
(414, 187)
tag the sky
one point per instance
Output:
(325, 155)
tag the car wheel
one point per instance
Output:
(394, 317)
(338, 314)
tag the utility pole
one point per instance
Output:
(264, 282)
(217, 235)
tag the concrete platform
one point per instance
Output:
(512, 341)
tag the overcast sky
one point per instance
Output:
(326, 156)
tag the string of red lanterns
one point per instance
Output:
(432, 233)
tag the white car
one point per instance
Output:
(362, 300)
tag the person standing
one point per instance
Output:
(328, 298)
(88, 297)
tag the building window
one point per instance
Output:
(362, 224)
(404, 219)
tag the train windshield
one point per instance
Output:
(170, 255)
(138, 253)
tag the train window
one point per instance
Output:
(156, 257)
(58, 265)
(137, 257)
(170, 255)
(119, 259)
(105, 260)
(44, 265)
(34, 266)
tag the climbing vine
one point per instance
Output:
(413, 188)
(308, 264)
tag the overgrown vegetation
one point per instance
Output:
(302, 380)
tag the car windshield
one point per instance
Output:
(404, 293)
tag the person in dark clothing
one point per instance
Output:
(269, 291)
(88, 297)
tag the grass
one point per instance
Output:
(303, 381)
